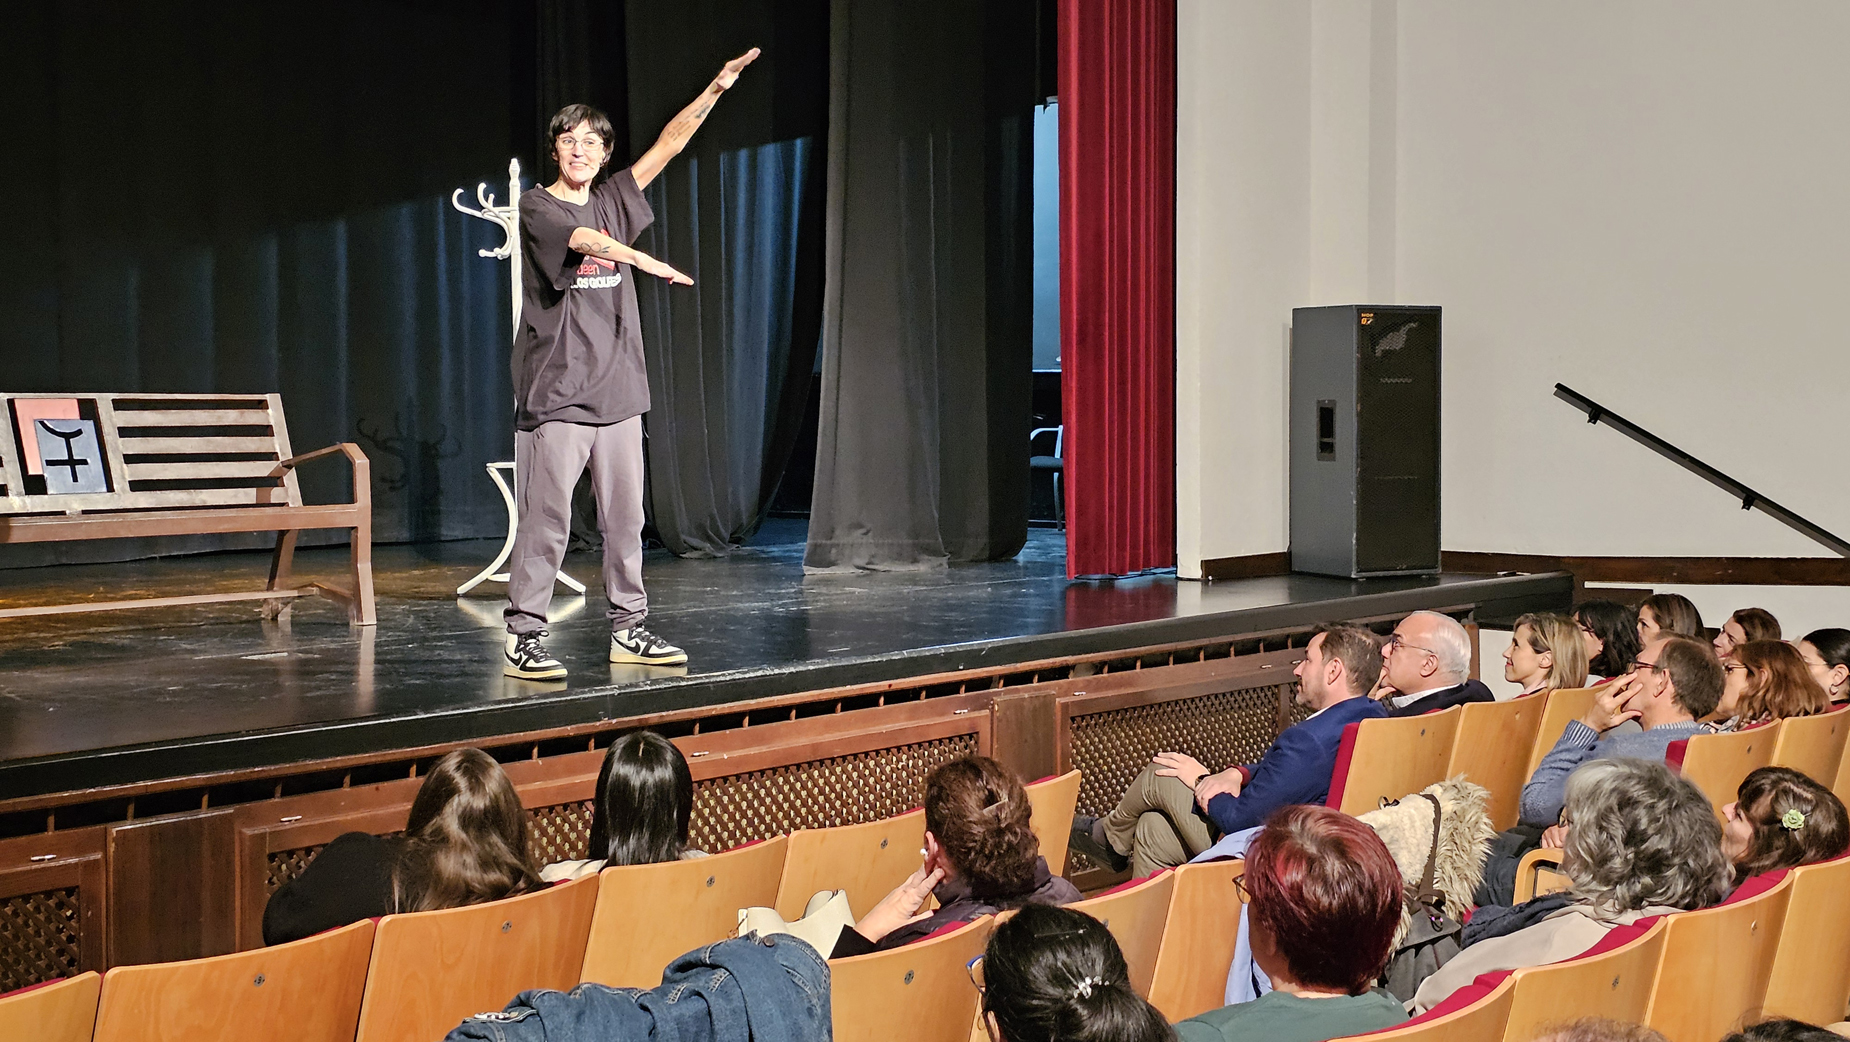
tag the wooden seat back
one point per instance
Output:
(1197, 950)
(1053, 802)
(432, 970)
(1562, 707)
(647, 915)
(1136, 916)
(921, 991)
(1538, 873)
(306, 991)
(1392, 757)
(1492, 736)
(1841, 785)
(1811, 970)
(1716, 966)
(1812, 745)
(62, 1011)
(867, 860)
(1482, 1021)
(1615, 984)
(1718, 763)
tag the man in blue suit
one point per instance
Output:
(1176, 808)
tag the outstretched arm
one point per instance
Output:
(681, 128)
(593, 243)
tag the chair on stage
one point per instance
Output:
(1387, 758)
(1717, 964)
(867, 860)
(1053, 801)
(1135, 913)
(1197, 949)
(647, 915)
(1812, 745)
(432, 970)
(1563, 707)
(56, 1011)
(1811, 971)
(920, 991)
(1487, 733)
(1718, 763)
(305, 991)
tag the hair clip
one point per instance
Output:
(1793, 819)
(1084, 989)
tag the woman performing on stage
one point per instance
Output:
(580, 388)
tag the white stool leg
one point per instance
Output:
(507, 547)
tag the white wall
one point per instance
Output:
(1642, 199)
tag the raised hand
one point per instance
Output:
(902, 906)
(1608, 709)
(730, 74)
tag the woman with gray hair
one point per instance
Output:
(1643, 842)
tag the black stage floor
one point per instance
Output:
(126, 697)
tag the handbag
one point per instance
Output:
(824, 918)
(1432, 937)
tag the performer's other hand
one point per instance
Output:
(661, 269)
(730, 74)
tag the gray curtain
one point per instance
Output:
(927, 328)
(730, 358)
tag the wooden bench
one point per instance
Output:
(179, 464)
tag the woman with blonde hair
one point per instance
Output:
(1766, 680)
(1545, 654)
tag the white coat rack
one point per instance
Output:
(507, 218)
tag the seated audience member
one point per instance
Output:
(980, 857)
(1784, 1031)
(1609, 632)
(1765, 680)
(1641, 842)
(1782, 819)
(639, 815)
(1175, 809)
(1545, 654)
(465, 843)
(1323, 905)
(1743, 626)
(1599, 1029)
(1827, 654)
(1668, 614)
(1056, 975)
(1676, 683)
(1427, 662)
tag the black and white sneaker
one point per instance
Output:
(639, 646)
(528, 659)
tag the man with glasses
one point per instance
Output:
(580, 388)
(1675, 682)
(1427, 663)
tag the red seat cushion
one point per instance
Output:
(1127, 884)
(1673, 755)
(1344, 754)
(1754, 886)
(33, 987)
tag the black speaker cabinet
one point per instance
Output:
(1364, 442)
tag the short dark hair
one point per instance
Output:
(1832, 644)
(1327, 890)
(1764, 799)
(1358, 649)
(1784, 1031)
(1695, 672)
(572, 115)
(643, 801)
(1617, 628)
(1054, 973)
(979, 813)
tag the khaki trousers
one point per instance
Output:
(1156, 823)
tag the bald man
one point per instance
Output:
(1427, 662)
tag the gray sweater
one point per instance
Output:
(1543, 797)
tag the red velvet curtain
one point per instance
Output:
(1117, 282)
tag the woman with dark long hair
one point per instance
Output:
(1055, 975)
(1609, 632)
(1782, 819)
(641, 810)
(465, 842)
(1827, 654)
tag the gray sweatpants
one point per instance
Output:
(547, 462)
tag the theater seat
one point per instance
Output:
(56, 1011)
(920, 992)
(1054, 800)
(646, 915)
(1387, 758)
(1136, 914)
(1717, 964)
(1487, 732)
(1562, 708)
(867, 860)
(1472, 1014)
(1718, 763)
(1197, 949)
(305, 991)
(1812, 745)
(1811, 969)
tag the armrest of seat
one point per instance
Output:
(362, 468)
(1529, 871)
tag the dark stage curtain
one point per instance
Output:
(1117, 282)
(222, 196)
(927, 328)
(730, 358)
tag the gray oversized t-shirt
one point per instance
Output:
(578, 355)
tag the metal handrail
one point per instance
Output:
(1750, 499)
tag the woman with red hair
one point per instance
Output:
(1323, 903)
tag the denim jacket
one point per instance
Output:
(774, 989)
